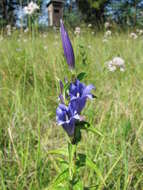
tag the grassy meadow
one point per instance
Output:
(31, 143)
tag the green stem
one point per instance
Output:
(72, 164)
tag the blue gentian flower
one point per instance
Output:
(67, 117)
(67, 46)
(79, 93)
(76, 95)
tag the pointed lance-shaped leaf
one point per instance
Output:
(67, 46)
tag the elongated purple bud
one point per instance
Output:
(67, 46)
(61, 87)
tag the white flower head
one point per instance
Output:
(8, 27)
(107, 25)
(31, 8)
(122, 69)
(108, 33)
(139, 31)
(104, 40)
(133, 35)
(77, 31)
(116, 63)
(89, 25)
(141, 13)
(111, 68)
(26, 30)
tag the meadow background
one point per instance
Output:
(33, 146)
(30, 140)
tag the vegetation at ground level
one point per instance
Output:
(31, 143)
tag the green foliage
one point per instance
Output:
(81, 76)
(127, 12)
(96, 4)
(93, 10)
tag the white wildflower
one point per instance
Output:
(104, 40)
(108, 33)
(77, 31)
(122, 69)
(116, 63)
(26, 30)
(111, 67)
(107, 25)
(141, 13)
(31, 8)
(133, 35)
(139, 31)
(89, 25)
(8, 27)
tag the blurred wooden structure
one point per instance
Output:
(55, 11)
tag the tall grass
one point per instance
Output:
(30, 140)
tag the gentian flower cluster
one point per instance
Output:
(73, 95)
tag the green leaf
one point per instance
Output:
(62, 152)
(59, 179)
(81, 76)
(94, 167)
(94, 130)
(81, 160)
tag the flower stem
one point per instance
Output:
(72, 148)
